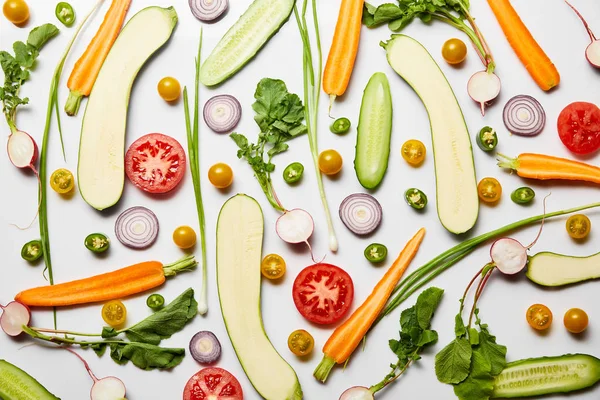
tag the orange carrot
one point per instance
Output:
(112, 285)
(539, 66)
(88, 66)
(344, 47)
(344, 340)
(542, 167)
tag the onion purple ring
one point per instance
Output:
(222, 113)
(361, 213)
(137, 227)
(205, 347)
(208, 10)
(524, 116)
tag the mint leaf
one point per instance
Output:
(427, 302)
(479, 385)
(146, 356)
(39, 36)
(452, 363)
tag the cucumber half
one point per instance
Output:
(16, 384)
(547, 375)
(551, 269)
(374, 132)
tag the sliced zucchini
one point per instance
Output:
(16, 384)
(374, 132)
(551, 269)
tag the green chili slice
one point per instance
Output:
(415, 198)
(293, 172)
(155, 301)
(375, 252)
(340, 126)
(487, 139)
(97, 242)
(32, 251)
(522, 195)
(65, 13)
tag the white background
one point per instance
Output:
(557, 30)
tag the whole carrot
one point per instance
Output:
(88, 66)
(124, 282)
(537, 63)
(543, 167)
(346, 338)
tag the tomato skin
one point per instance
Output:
(155, 163)
(169, 88)
(413, 151)
(62, 181)
(220, 175)
(16, 11)
(454, 51)
(539, 317)
(273, 266)
(489, 190)
(330, 162)
(579, 127)
(576, 320)
(578, 226)
(319, 280)
(301, 343)
(114, 313)
(213, 383)
(184, 237)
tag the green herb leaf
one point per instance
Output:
(108, 332)
(459, 326)
(453, 362)
(427, 303)
(479, 385)
(493, 352)
(39, 36)
(146, 356)
(427, 337)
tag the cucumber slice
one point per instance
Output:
(16, 384)
(457, 200)
(374, 132)
(547, 375)
(551, 269)
(244, 39)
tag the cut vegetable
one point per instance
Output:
(361, 213)
(374, 132)
(32, 250)
(155, 301)
(579, 127)
(340, 126)
(523, 195)
(592, 52)
(301, 343)
(484, 87)
(457, 201)
(22, 150)
(487, 139)
(295, 226)
(551, 269)
(543, 167)
(239, 246)
(272, 266)
(376, 253)
(137, 227)
(244, 39)
(357, 393)
(415, 198)
(293, 172)
(14, 316)
(97, 242)
(524, 116)
(222, 113)
(102, 145)
(509, 255)
(16, 384)
(547, 375)
(213, 383)
(208, 10)
(205, 347)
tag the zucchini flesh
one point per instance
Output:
(374, 132)
(101, 169)
(240, 229)
(16, 384)
(551, 269)
(547, 375)
(456, 184)
(244, 39)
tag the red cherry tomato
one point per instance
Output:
(155, 163)
(213, 383)
(579, 127)
(323, 293)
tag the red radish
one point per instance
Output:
(295, 226)
(22, 150)
(357, 393)
(14, 316)
(109, 388)
(483, 87)
(592, 52)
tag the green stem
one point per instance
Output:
(187, 263)
(391, 377)
(64, 332)
(11, 124)
(64, 340)
(324, 368)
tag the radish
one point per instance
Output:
(295, 226)
(22, 150)
(592, 52)
(14, 316)
(483, 87)
(357, 393)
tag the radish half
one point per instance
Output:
(22, 150)
(109, 388)
(14, 316)
(357, 393)
(509, 255)
(592, 52)
(483, 87)
(295, 226)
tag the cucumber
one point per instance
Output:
(101, 170)
(244, 39)
(16, 384)
(374, 132)
(240, 229)
(547, 375)
(456, 184)
(551, 269)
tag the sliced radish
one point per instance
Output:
(295, 226)
(483, 87)
(22, 150)
(361, 213)
(592, 52)
(509, 255)
(357, 393)
(14, 316)
(524, 116)
(205, 347)
(222, 113)
(109, 388)
(208, 10)
(137, 227)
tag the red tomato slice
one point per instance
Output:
(323, 293)
(213, 384)
(155, 163)
(579, 127)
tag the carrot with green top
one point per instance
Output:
(543, 167)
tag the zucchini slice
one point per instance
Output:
(456, 184)
(16, 384)
(239, 248)
(551, 269)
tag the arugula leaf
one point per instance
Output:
(453, 362)
(40, 35)
(146, 356)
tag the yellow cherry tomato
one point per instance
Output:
(220, 175)
(576, 320)
(16, 11)
(62, 181)
(301, 343)
(489, 190)
(413, 151)
(169, 88)
(454, 51)
(184, 237)
(579, 226)
(114, 313)
(330, 162)
(272, 266)
(539, 317)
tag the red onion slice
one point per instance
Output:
(524, 116)
(361, 213)
(205, 347)
(137, 227)
(222, 113)
(208, 10)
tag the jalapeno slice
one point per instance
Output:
(32, 251)
(415, 198)
(155, 301)
(487, 139)
(97, 242)
(340, 126)
(375, 252)
(522, 195)
(65, 13)
(293, 172)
